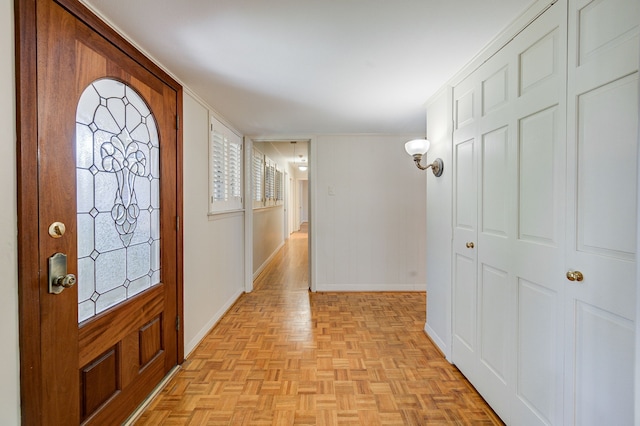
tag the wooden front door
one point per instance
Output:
(100, 183)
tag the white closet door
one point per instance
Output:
(496, 202)
(601, 220)
(509, 152)
(484, 201)
(539, 244)
(465, 219)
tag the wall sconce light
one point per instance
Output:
(419, 147)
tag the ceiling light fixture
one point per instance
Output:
(419, 147)
(302, 167)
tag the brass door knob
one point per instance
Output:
(65, 281)
(575, 276)
(470, 245)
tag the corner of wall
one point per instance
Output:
(439, 226)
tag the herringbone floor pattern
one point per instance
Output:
(284, 356)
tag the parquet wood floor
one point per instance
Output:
(284, 356)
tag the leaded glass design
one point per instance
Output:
(118, 196)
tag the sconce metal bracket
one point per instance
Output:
(437, 166)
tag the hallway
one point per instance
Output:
(284, 356)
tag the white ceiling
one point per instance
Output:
(289, 67)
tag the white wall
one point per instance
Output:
(213, 244)
(439, 222)
(637, 347)
(268, 236)
(9, 367)
(368, 214)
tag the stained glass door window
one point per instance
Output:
(118, 183)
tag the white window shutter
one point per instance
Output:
(225, 169)
(257, 172)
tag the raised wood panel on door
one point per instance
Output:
(538, 249)
(601, 221)
(495, 328)
(98, 382)
(495, 187)
(464, 104)
(495, 91)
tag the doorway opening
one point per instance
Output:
(277, 218)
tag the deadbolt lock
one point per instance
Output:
(58, 277)
(57, 229)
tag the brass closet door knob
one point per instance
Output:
(575, 276)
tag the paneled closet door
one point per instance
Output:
(484, 183)
(465, 233)
(538, 251)
(496, 211)
(509, 160)
(601, 220)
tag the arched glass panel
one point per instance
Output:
(118, 201)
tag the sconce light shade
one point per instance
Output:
(302, 168)
(417, 146)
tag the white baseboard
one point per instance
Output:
(195, 341)
(437, 341)
(266, 262)
(370, 287)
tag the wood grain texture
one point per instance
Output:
(27, 200)
(150, 341)
(112, 326)
(100, 28)
(58, 52)
(56, 202)
(284, 356)
(98, 382)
